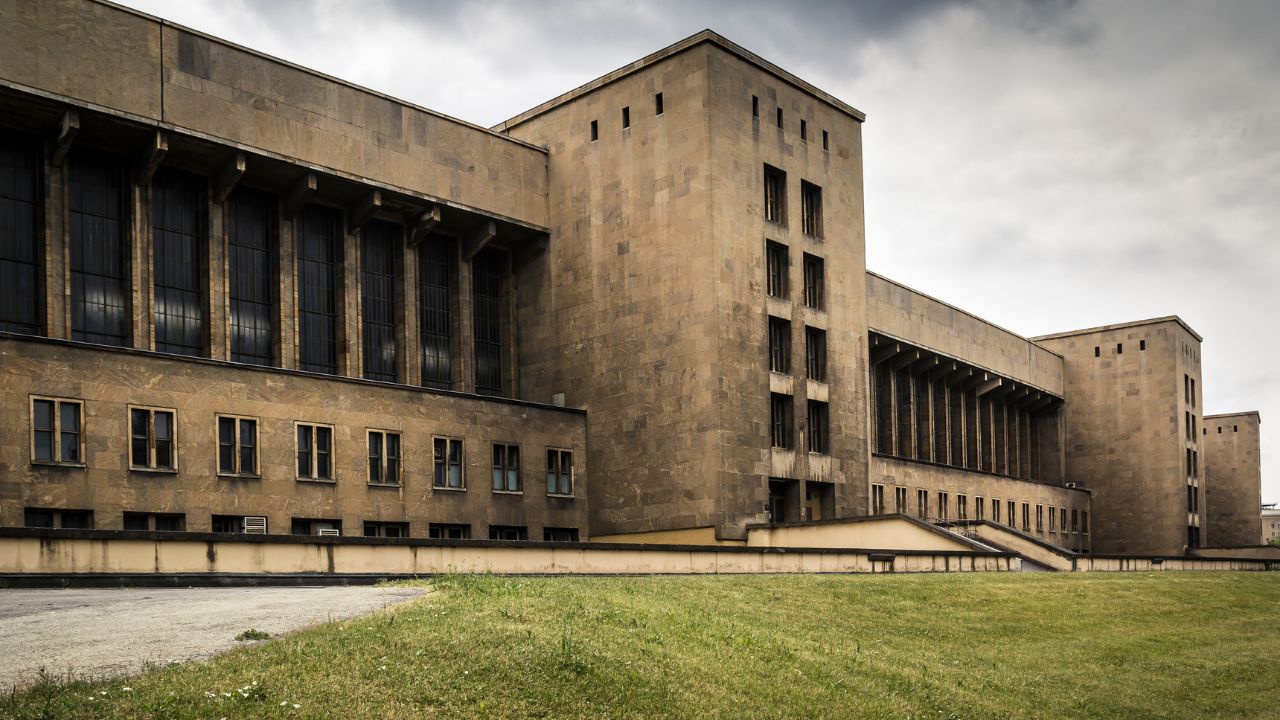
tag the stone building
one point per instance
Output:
(238, 295)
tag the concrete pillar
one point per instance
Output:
(288, 297)
(139, 271)
(465, 375)
(350, 317)
(408, 333)
(217, 312)
(57, 260)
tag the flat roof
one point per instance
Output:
(693, 41)
(1121, 326)
(1242, 413)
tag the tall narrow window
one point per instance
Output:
(979, 507)
(779, 345)
(815, 292)
(819, 428)
(781, 420)
(877, 499)
(436, 262)
(657, 104)
(447, 470)
(804, 130)
(506, 468)
(900, 501)
(922, 504)
(778, 266)
(319, 239)
(962, 507)
(251, 247)
(99, 241)
(178, 252)
(384, 458)
(21, 247)
(595, 130)
(56, 431)
(826, 144)
(1026, 517)
(489, 271)
(775, 195)
(755, 106)
(152, 439)
(811, 208)
(1012, 516)
(626, 118)
(237, 446)
(315, 452)
(815, 350)
(379, 245)
(559, 472)
(779, 118)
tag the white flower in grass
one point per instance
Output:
(127, 689)
(283, 703)
(296, 706)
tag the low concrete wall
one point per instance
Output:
(882, 531)
(1030, 548)
(1260, 552)
(61, 553)
(1120, 563)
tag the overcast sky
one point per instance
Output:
(1047, 166)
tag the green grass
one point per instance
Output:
(1161, 645)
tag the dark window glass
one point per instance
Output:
(775, 194)
(137, 521)
(379, 243)
(324, 453)
(140, 442)
(506, 468)
(319, 239)
(69, 432)
(43, 429)
(489, 270)
(778, 267)
(76, 519)
(441, 531)
(99, 234)
(811, 208)
(435, 310)
(384, 458)
(249, 447)
(448, 463)
(393, 458)
(386, 529)
(781, 420)
(560, 534)
(508, 532)
(819, 428)
(178, 249)
(37, 518)
(815, 346)
(814, 282)
(375, 457)
(251, 243)
(21, 247)
(559, 472)
(779, 345)
(305, 450)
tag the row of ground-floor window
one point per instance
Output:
(937, 506)
(255, 525)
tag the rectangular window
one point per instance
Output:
(819, 428)
(877, 499)
(826, 145)
(379, 246)
(1119, 348)
(814, 282)
(804, 131)
(315, 452)
(99, 232)
(1193, 392)
(779, 118)
(1142, 344)
(1026, 517)
(626, 118)
(436, 262)
(944, 505)
(447, 464)
(65, 519)
(319, 238)
(152, 439)
(1039, 518)
(553, 534)
(315, 526)
(179, 252)
(922, 504)
(775, 195)
(489, 271)
(995, 510)
(962, 507)
(1053, 520)
(781, 420)
(386, 529)
(815, 350)
(559, 472)
(21, 244)
(1075, 521)
(237, 446)
(755, 106)
(980, 506)
(506, 468)
(508, 532)
(1084, 522)
(1012, 516)
(811, 208)
(156, 522)
(251, 276)
(595, 130)
(1062, 520)
(384, 457)
(57, 433)
(448, 531)
(252, 524)
(778, 268)
(657, 104)
(779, 345)
(900, 500)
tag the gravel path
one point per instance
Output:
(99, 632)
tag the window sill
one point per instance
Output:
(395, 486)
(239, 476)
(508, 492)
(448, 489)
(52, 463)
(562, 496)
(153, 471)
(317, 481)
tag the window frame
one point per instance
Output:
(151, 439)
(462, 463)
(815, 281)
(573, 475)
(775, 195)
(818, 427)
(815, 339)
(237, 447)
(782, 429)
(384, 457)
(777, 274)
(811, 209)
(779, 330)
(507, 467)
(440, 529)
(315, 453)
(57, 432)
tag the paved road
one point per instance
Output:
(110, 632)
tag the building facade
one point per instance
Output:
(239, 295)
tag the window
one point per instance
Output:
(826, 145)
(314, 526)
(1039, 518)
(1097, 351)
(811, 208)
(1053, 520)
(980, 506)
(508, 532)
(779, 345)
(386, 529)
(1062, 520)
(877, 499)
(65, 519)
(319, 236)
(1193, 536)
(900, 500)
(436, 262)
(1142, 345)
(152, 441)
(506, 468)
(22, 247)
(815, 350)
(379, 246)
(57, 434)
(778, 267)
(448, 531)
(626, 118)
(237, 446)
(255, 525)
(1012, 517)
(944, 505)
(384, 458)
(251, 277)
(1084, 522)
(157, 522)
(775, 195)
(819, 427)
(779, 118)
(995, 510)
(99, 222)
(962, 507)
(755, 106)
(553, 534)
(1026, 517)
(657, 104)
(1193, 392)
(804, 131)
(1119, 348)
(178, 252)
(595, 130)
(814, 282)
(1075, 521)
(922, 504)
(781, 420)
(447, 473)
(489, 270)
(315, 452)
(559, 472)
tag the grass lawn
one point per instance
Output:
(1034, 645)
